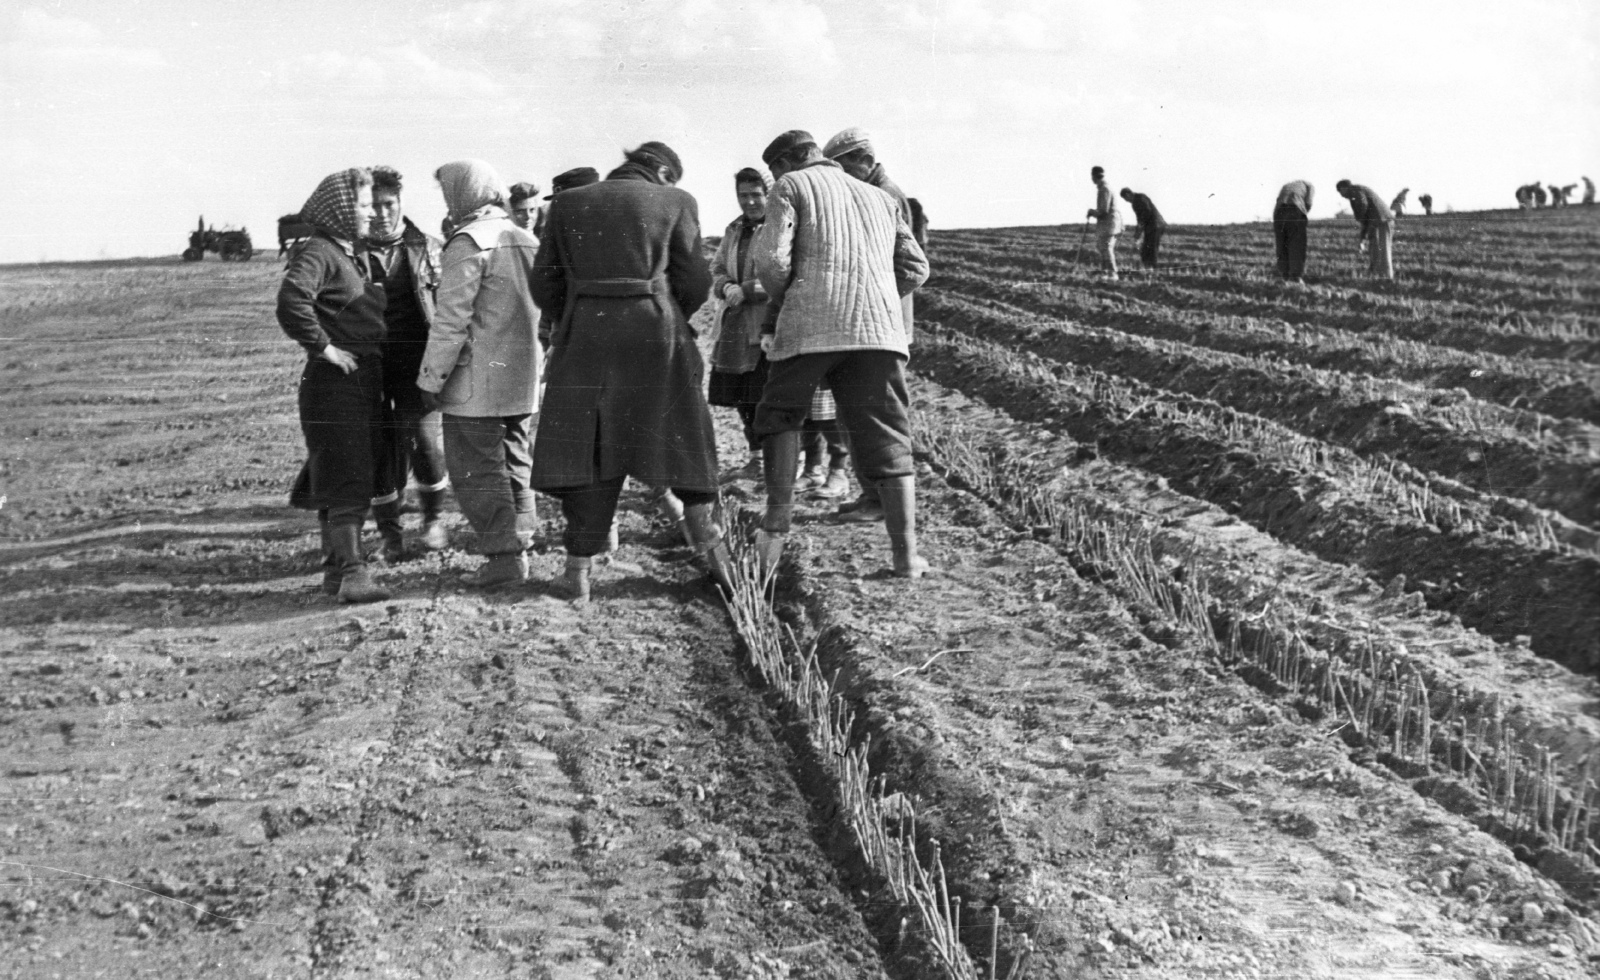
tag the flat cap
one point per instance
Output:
(784, 143)
(576, 177)
(848, 141)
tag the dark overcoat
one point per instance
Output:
(622, 267)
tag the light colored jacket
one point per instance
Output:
(836, 256)
(1108, 217)
(738, 345)
(483, 356)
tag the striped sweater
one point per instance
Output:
(836, 256)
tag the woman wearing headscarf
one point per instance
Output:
(621, 266)
(328, 305)
(481, 367)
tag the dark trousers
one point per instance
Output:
(826, 438)
(590, 510)
(1289, 230)
(338, 414)
(874, 405)
(747, 417)
(869, 387)
(410, 440)
(1151, 246)
(490, 463)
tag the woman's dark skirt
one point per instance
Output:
(738, 390)
(338, 415)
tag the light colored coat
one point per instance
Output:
(738, 346)
(483, 356)
(837, 257)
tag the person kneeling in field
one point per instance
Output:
(836, 256)
(329, 307)
(482, 366)
(1377, 226)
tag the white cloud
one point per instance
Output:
(1019, 25)
(762, 36)
(42, 42)
(403, 70)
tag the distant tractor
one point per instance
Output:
(231, 245)
(291, 232)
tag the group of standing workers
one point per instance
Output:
(428, 357)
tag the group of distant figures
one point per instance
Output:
(1289, 223)
(1535, 195)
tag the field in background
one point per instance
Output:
(1264, 645)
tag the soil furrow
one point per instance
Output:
(1265, 608)
(1150, 817)
(1514, 454)
(1559, 389)
(1483, 579)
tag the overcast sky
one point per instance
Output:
(122, 120)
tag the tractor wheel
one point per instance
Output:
(193, 255)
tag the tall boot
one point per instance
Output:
(434, 536)
(780, 454)
(705, 537)
(331, 572)
(356, 583)
(387, 517)
(899, 496)
(574, 581)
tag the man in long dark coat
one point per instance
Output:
(622, 267)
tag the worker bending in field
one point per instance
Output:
(1588, 191)
(1150, 229)
(1398, 205)
(1108, 223)
(1426, 200)
(1377, 226)
(1289, 223)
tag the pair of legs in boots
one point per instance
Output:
(409, 441)
(344, 567)
(489, 460)
(591, 510)
(874, 408)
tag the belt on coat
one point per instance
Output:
(618, 288)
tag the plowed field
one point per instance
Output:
(1264, 645)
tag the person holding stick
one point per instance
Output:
(1108, 223)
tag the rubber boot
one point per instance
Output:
(499, 570)
(387, 517)
(574, 581)
(331, 572)
(434, 536)
(355, 583)
(899, 496)
(705, 537)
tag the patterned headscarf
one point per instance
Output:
(848, 141)
(332, 206)
(470, 187)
